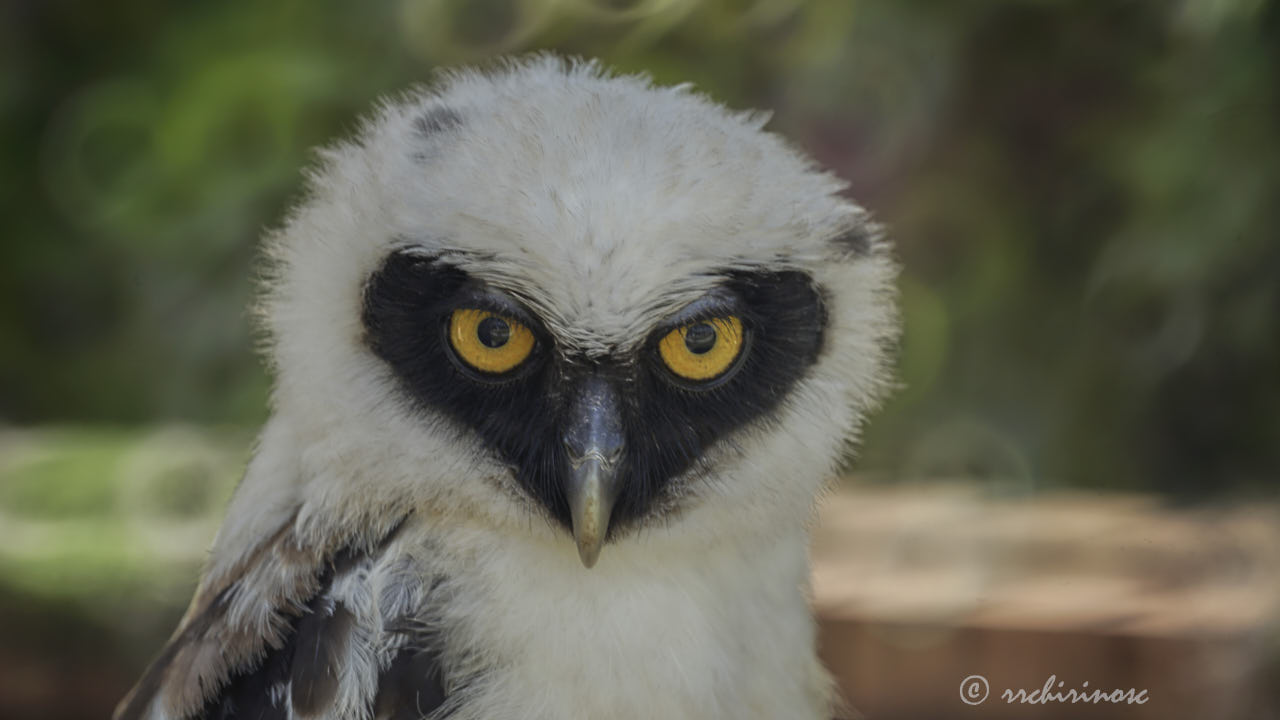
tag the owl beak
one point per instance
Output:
(594, 442)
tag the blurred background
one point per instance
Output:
(1079, 475)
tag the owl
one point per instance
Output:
(563, 362)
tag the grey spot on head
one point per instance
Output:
(437, 120)
(857, 240)
(430, 124)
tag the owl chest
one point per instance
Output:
(529, 637)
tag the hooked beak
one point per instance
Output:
(594, 443)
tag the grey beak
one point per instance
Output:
(594, 443)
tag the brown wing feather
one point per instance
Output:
(218, 637)
(270, 611)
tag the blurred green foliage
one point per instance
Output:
(102, 532)
(1084, 197)
(104, 513)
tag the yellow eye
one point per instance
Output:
(703, 350)
(488, 342)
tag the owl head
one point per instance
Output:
(570, 307)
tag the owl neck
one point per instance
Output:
(722, 630)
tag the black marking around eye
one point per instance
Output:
(720, 302)
(437, 120)
(406, 305)
(667, 426)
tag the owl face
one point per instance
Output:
(595, 439)
(554, 293)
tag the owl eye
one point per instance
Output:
(703, 350)
(490, 343)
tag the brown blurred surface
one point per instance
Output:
(918, 588)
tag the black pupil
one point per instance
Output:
(700, 338)
(493, 332)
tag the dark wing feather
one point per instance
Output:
(319, 645)
(256, 695)
(213, 671)
(303, 672)
(410, 687)
(208, 648)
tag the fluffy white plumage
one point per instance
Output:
(603, 204)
